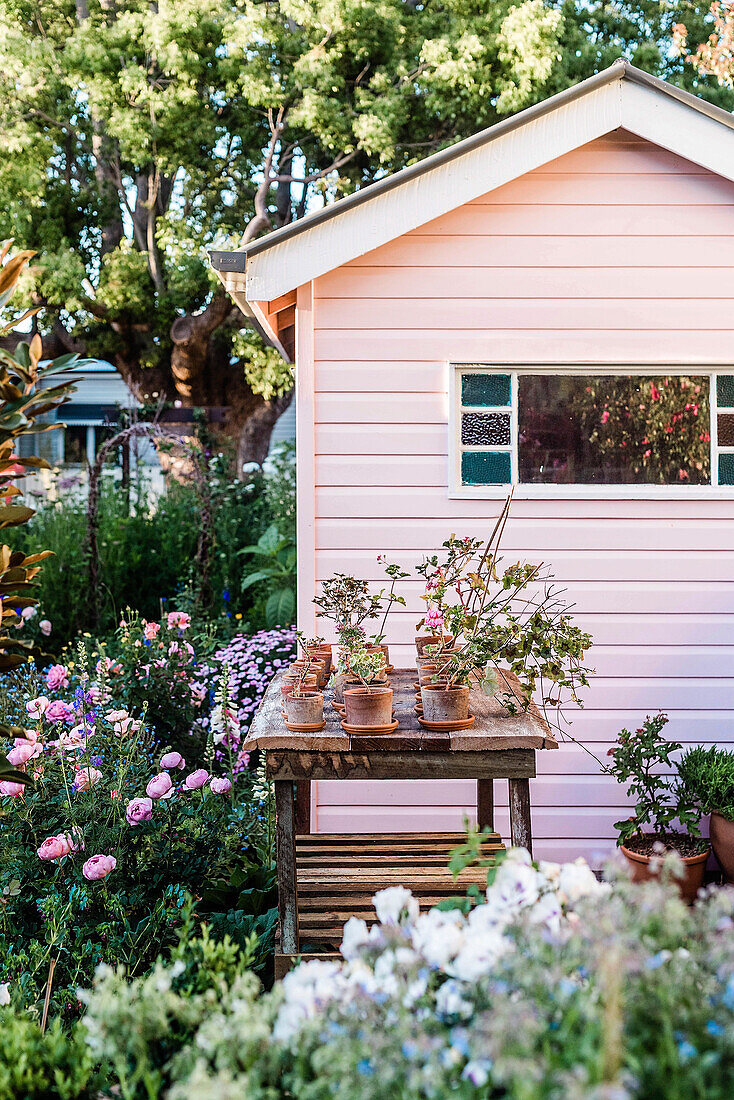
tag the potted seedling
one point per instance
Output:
(643, 763)
(304, 704)
(708, 775)
(347, 602)
(369, 704)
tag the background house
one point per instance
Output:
(466, 324)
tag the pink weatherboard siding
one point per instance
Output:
(612, 253)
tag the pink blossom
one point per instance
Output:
(59, 711)
(114, 716)
(196, 779)
(220, 785)
(98, 867)
(178, 620)
(57, 677)
(87, 777)
(138, 809)
(605, 416)
(54, 847)
(20, 754)
(10, 789)
(160, 786)
(173, 760)
(150, 630)
(45, 627)
(37, 707)
(28, 613)
(434, 619)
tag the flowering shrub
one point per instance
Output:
(557, 986)
(113, 844)
(251, 662)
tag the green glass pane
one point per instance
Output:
(485, 468)
(485, 389)
(726, 469)
(725, 391)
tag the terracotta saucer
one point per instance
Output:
(446, 726)
(417, 685)
(366, 731)
(314, 727)
(418, 710)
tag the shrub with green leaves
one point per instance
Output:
(51, 1065)
(708, 775)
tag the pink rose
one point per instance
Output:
(45, 627)
(173, 760)
(138, 809)
(59, 712)
(24, 752)
(38, 707)
(10, 790)
(178, 620)
(86, 778)
(196, 779)
(57, 677)
(54, 847)
(98, 867)
(150, 630)
(160, 786)
(220, 785)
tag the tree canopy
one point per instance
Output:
(139, 134)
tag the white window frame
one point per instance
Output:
(456, 490)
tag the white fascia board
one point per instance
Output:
(234, 284)
(417, 201)
(666, 122)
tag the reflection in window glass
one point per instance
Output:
(613, 429)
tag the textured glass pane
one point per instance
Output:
(726, 469)
(726, 429)
(614, 430)
(485, 468)
(485, 429)
(725, 391)
(485, 389)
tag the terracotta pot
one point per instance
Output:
(689, 885)
(386, 650)
(340, 682)
(441, 705)
(422, 640)
(721, 833)
(426, 673)
(368, 708)
(306, 709)
(321, 652)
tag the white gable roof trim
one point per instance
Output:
(619, 97)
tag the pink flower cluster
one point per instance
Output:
(434, 619)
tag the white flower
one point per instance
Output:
(477, 1072)
(478, 956)
(547, 910)
(450, 1002)
(515, 886)
(577, 881)
(438, 936)
(394, 902)
(4, 993)
(354, 938)
(307, 989)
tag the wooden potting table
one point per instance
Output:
(324, 878)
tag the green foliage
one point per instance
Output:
(55, 1065)
(643, 761)
(708, 776)
(275, 556)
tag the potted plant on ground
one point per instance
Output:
(643, 763)
(708, 774)
(369, 704)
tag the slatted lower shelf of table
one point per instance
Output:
(338, 874)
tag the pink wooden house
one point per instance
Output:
(504, 313)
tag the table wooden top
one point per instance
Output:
(494, 728)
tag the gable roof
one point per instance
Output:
(619, 97)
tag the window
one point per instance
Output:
(591, 426)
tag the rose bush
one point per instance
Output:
(554, 986)
(115, 842)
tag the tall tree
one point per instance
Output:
(145, 131)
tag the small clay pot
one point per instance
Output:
(427, 672)
(368, 707)
(442, 704)
(306, 709)
(323, 653)
(689, 885)
(340, 682)
(422, 640)
(721, 833)
(386, 650)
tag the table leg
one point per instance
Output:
(285, 855)
(485, 803)
(520, 827)
(303, 806)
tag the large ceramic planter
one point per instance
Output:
(445, 705)
(368, 708)
(721, 834)
(689, 885)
